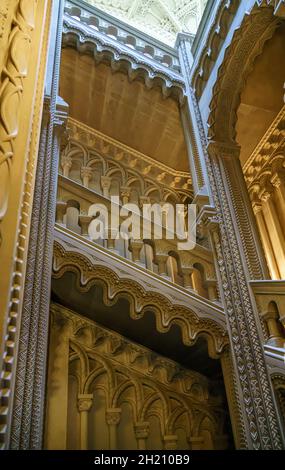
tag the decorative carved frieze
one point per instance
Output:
(140, 297)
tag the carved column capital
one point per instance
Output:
(143, 200)
(113, 416)
(66, 164)
(106, 184)
(276, 180)
(61, 207)
(84, 222)
(265, 194)
(135, 248)
(125, 194)
(141, 430)
(86, 175)
(84, 402)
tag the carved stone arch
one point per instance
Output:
(140, 300)
(247, 44)
(165, 409)
(94, 158)
(174, 418)
(113, 168)
(74, 147)
(108, 369)
(132, 177)
(83, 360)
(130, 382)
(118, 398)
(151, 187)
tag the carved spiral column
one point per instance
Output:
(84, 404)
(113, 416)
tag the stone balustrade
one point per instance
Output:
(100, 22)
(265, 177)
(77, 210)
(270, 299)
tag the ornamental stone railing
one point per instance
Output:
(147, 50)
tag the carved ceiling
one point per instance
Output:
(126, 111)
(161, 19)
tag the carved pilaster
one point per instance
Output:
(84, 404)
(29, 396)
(113, 416)
(227, 157)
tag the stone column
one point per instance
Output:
(187, 277)
(232, 392)
(278, 182)
(57, 390)
(141, 433)
(269, 253)
(161, 260)
(211, 285)
(125, 194)
(61, 208)
(113, 416)
(106, 184)
(111, 234)
(136, 246)
(274, 228)
(196, 443)
(239, 257)
(84, 222)
(170, 442)
(86, 175)
(271, 319)
(66, 164)
(84, 404)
